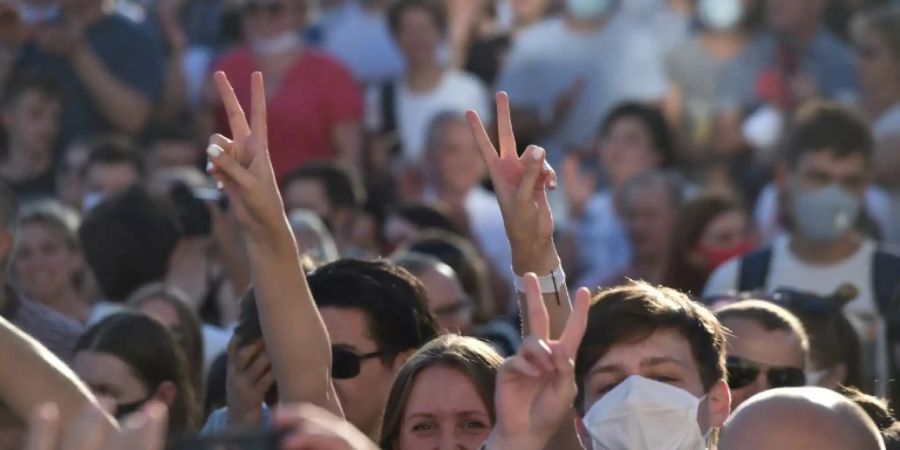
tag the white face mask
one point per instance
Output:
(643, 414)
(720, 14)
(279, 44)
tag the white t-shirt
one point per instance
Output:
(619, 61)
(786, 271)
(457, 91)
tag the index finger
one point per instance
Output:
(488, 152)
(236, 118)
(538, 320)
(577, 322)
(505, 128)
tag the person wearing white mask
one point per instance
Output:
(564, 74)
(649, 373)
(313, 99)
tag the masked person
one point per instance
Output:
(825, 173)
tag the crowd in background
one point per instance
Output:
(720, 172)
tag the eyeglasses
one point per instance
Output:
(345, 364)
(270, 8)
(742, 372)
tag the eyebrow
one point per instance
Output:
(652, 361)
(429, 415)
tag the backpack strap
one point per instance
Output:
(885, 281)
(388, 100)
(754, 270)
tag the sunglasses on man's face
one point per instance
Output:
(345, 364)
(270, 8)
(742, 373)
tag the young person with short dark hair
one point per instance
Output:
(113, 166)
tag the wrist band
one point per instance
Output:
(550, 284)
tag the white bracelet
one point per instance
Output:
(550, 284)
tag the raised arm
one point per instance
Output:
(32, 376)
(296, 339)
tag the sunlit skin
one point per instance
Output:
(455, 162)
(770, 348)
(109, 377)
(443, 411)
(627, 150)
(45, 265)
(447, 301)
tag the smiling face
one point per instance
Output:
(45, 265)
(444, 411)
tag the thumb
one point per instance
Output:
(534, 165)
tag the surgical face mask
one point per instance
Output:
(588, 9)
(32, 14)
(643, 414)
(824, 214)
(719, 14)
(91, 200)
(279, 44)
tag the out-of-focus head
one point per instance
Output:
(827, 168)
(788, 16)
(170, 305)
(469, 265)
(131, 358)
(267, 20)
(191, 194)
(418, 26)
(113, 166)
(376, 315)
(8, 212)
(173, 147)
(804, 418)
(47, 259)
(876, 36)
(30, 111)
(767, 348)
(879, 411)
(71, 174)
(451, 154)
(447, 301)
(127, 242)
(635, 139)
(326, 189)
(648, 205)
(657, 334)
(313, 237)
(526, 12)
(443, 397)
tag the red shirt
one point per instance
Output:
(316, 94)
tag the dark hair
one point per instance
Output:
(341, 188)
(127, 241)
(425, 217)
(188, 333)
(768, 315)
(474, 358)
(392, 298)
(821, 126)
(879, 411)
(470, 267)
(43, 82)
(693, 220)
(9, 207)
(60, 218)
(434, 8)
(149, 349)
(655, 123)
(114, 150)
(632, 312)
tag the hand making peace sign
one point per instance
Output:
(520, 184)
(536, 387)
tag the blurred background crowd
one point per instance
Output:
(666, 121)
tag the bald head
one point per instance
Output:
(800, 419)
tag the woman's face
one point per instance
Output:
(443, 411)
(266, 19)
(418, 36)
(726, 231)
(44, 264)
(457, 163)
(627, 150)
(109, 378)
(877, 66)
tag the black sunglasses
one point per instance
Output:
(742, 373)
(345, 364)
(270, 8)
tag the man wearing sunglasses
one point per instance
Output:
(767, 348)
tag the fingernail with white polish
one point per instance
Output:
(220, 185)
(552, 184)
(214, 150)
(537, 153)
(209, 166)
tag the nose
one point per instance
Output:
(449, 441)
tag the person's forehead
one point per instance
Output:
(348, 327)
(441, 390)
(750, 340)
(664, 344)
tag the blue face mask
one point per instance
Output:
(588, 9)
(824, 214)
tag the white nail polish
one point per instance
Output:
(214, 150)
(552, 184)
(209, 166)
(220, 185)
(537, 153)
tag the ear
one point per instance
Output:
(719, 404)
(166, 393)
(400, 359)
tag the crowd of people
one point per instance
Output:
(309, 224)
